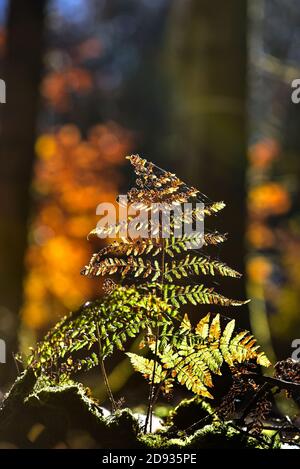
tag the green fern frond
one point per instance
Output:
(196, 294)
(145, 366)
(198, 265)
(195, 357)
(179, 245)
(214, 207)
(132, 312)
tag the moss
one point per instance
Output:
(75, 409)
(66, 395)
(62, 411)
(160, 441)
(221, 436)
(21, 387)
(188, 412)
(216, 434)
(224, 436)
(13, 419)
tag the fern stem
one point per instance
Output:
(103, 371)
(151, 398)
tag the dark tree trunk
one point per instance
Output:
(206, 67)
(22, 72)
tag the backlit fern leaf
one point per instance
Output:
(141, 258)
(153, 246)
(126, 247)
(198, 354)
(145, 366)
(179, 245)
(196, 294)
(214, 238)
(156, 263)
(214, 208)
(198, 265)
(132, 312)
(137, 266)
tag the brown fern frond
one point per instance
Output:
(128, 247)
(173, 246)
(131, 265)
(241, 386)
(214, 238)
(259, 414)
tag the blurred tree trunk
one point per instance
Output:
(273, 176)
(22, 72)
(206, 70)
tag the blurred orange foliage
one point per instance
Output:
(260, 236)
(258, 269)
(72, 176)
(263, 153)
(268, 199)
(57, 86)
(273, 237)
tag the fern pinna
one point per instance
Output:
(151, 281)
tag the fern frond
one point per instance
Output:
(128, 247)
(196, 294)
(194, 358)
(153, 246)
(214, 238)
(114, 230)
(156, 185)
(214, 208)
(179, 245)
(198, 265)
(132, 311)
(145, 366)
(189, 215)
(148, 252)
(177, 220)
(102, 265)
(135, 266)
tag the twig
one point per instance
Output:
(103, 370)
(201, 421)
(253, 401)
(16, 363)
(249, 435)
(151, 398)
(280, 383)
